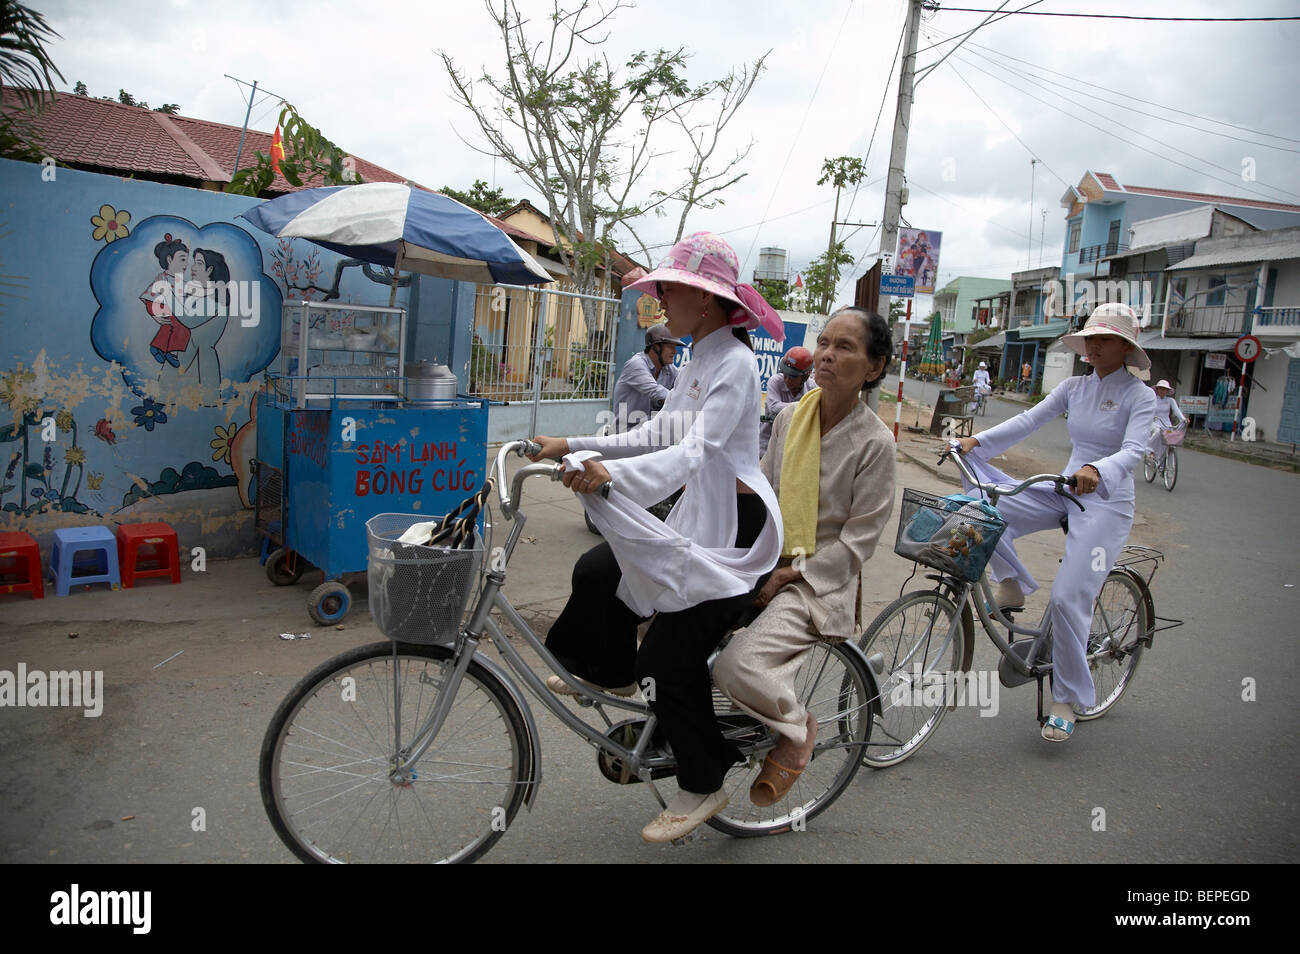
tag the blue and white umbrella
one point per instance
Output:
(387, 223)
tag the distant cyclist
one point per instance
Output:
(1168, 415)
(785, 387)
(983, 385)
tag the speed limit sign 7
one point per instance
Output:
(1247, 349)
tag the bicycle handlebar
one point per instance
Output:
(525, 448)
(1061, 481)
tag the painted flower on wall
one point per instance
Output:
(18, 391)
(221, 443)
(64, 420)
(110, 225)
(75, 456)
(149, 414)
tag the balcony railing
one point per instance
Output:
(1277, 321)
(1095, 253)
(1217, 320)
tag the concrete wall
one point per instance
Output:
(109, 415)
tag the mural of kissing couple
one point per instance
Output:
(190, 301)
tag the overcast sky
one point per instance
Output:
(369, 77)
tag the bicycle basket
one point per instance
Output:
(955, 534)
(418, 594)
(1174, 436)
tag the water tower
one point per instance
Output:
(771, 266)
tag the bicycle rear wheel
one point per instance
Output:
(1119, 622)
(834, 684)
(911, 650)
(328, 760)
(1171, 468)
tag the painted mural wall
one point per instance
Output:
(136, 320)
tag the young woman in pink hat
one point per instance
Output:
(699, 570)
(1110, 413)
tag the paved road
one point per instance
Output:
(1183, 768)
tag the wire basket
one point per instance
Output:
(418, 594)
(955, 534)
(1174, 436)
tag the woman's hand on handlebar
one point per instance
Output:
(553, 448)
(968, 444)
(782, 576)
(589, 480)
(1086, 479)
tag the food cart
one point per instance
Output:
(339, 441)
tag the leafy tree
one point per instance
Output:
(822, 275)
(840, 172)
(25, 66)
(307, 155)
(776, 291)
(80, 89)
(480, 197)
(897, 309)
(583, 133)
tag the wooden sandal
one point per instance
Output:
(775, 777)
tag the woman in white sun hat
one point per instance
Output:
(1110, 413)
(1168, 415)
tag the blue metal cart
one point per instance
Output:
(325, 469)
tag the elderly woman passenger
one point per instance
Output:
(831, 461)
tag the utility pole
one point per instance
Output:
(832, 273)
(894, 185)
(1029, 261)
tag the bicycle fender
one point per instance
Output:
(530, 724)
(873, 688)
(1147, 601)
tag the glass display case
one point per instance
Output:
(331, 350)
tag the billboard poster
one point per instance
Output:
(918, 256)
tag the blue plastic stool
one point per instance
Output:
(76, 549)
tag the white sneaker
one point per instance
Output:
(1009, 595)
(562, 688)
(677, 821)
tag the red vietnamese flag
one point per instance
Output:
(277, 150)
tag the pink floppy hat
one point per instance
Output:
(707, 262)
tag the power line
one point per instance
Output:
(1137, 99)
(879, 112)
(1123, 16)
(794, 141)
(1080, 119)
(1008, 128)
(1075, 81)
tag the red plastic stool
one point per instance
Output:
(19, 554)
(155, 542)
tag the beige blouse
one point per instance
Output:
(856, 498)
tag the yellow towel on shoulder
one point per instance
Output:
(801, 476)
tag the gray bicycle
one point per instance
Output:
(921, 643)
(423, 749)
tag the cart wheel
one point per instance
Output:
(284, 568)
(329, 603)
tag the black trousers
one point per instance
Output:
(595, 639)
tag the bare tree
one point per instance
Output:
(580, 130)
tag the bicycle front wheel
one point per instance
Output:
(1149, 465)
(330, 765)
(1171, 468)
(1119, 622)
(912, 648)
(835, 685)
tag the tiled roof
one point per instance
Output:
(1108, 181)
(1216, 199)
(83, 131)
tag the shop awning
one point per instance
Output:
(1049, 329)
(993, 343)
(1241, 254)
(1151, 341)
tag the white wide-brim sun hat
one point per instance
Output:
(1112, 318)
